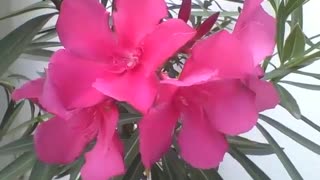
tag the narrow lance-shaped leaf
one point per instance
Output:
(294, 45)
(293, 5)
(253, 170)
(18, 146)
(12, 45)
(288, 102)
(297, 17)
(18, 167)
(314, 75)
(249, 147)
(281, 21)
(201, 174)
(32, 7)
(173, 166)
(303, 85)
(42, 171)
(135, 171)
(291, 134)
(291, 169)
(310, 123)
(9, 117)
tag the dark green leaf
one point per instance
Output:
(157, 173)
(128, 118)
(47, 36)
(292, 5)
(18, 167)
(291, 134)
(291, 169)
(250, 147)
(41, 45)
(9, 117)
(294, 45)
(297, 17)
(131, 149)
(12, 45)
(173, 166)
(288, 102)
(19, 146)
(32, 7)
(303, 85)
(200, 174)
(42, 171)
(43, 53)
(314, 75)
(253, 170)
(303, 61)
(310, 123)
(75, 170)
(281, 21)
(135, 171)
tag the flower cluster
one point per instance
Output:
(118, 56)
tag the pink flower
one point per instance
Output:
(63, 138)
(218, 93)
(119, 61)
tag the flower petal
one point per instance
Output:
(128, 14)
(30, 90)
(201, 146)
(135, 88)
(83, 28)
(157, 125)
(106, 158)
(256, 29)
(231, 107)
(104, 162)
(73, 78)
(59, 141)
(222, 53)
(164, 42)
(267, 96)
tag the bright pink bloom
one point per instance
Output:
(62, 139)
(120, 61)
(218, 93)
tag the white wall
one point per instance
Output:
(306, 162)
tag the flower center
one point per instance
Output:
(127, 60)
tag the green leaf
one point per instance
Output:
(131, 149)
(303, 85)
(45, 54)
(173, 166)
(288, 102)
(9, 117)
(12, 45)
(157, 173)
(294, 45)
(19, 146)
(32, 7)
(42, 171)
(297, 17)
(314, 75)
(18, 167)
(291, 134)
(281, 21)
(135, 171)
(41, 45)
(200, 174)
(303, 61)
(46, 36)
(310, 123)
(253, 170)
(250, 147)
(128, 118)
(75, 170)
(292, 5)
(291, 169)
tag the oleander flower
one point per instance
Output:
(64, 137)
(218, 93)
(117, 55)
